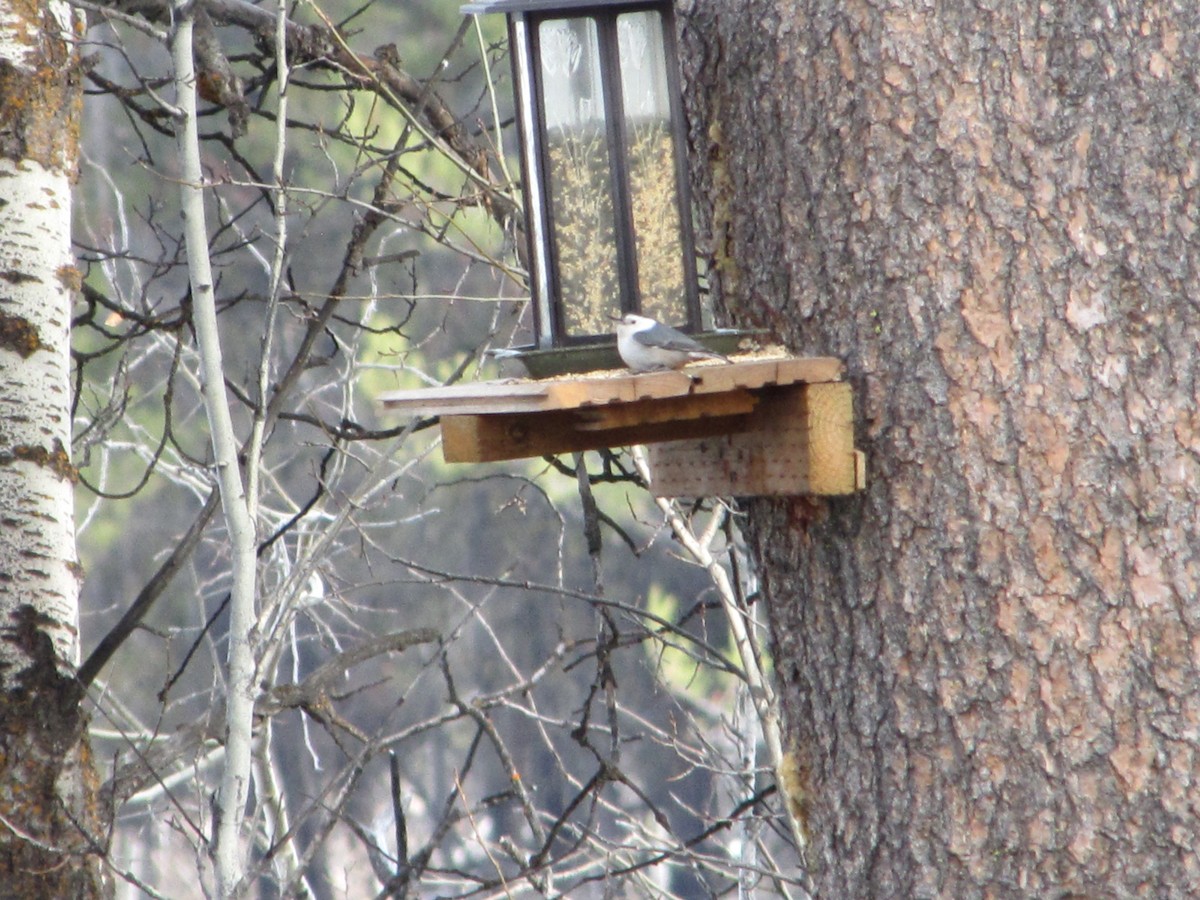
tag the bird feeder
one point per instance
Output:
(608, 224)
(607, 208)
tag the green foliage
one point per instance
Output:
(677, 663)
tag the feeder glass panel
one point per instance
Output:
(658, 235)
(580, 174)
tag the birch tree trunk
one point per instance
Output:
(989, 660)
(47, 814)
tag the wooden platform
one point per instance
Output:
(779, 425)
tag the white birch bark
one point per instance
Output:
(37, 534)
(44, 781)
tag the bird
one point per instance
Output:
(647, 346)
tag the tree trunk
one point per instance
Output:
(988, 659)
(46, 778)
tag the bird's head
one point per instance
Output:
(633, 321)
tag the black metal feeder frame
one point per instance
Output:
(607, 206)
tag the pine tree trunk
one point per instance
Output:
(990, 658)
(47, 789)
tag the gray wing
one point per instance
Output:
(668, 339)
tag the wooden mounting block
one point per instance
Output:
(775, 426)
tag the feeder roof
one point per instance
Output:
(483, 7)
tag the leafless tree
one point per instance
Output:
(320, 662)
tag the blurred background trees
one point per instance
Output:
(487, 681)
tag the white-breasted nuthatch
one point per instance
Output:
(646, 345)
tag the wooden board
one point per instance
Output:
(489, 438)
(798, 440)
(473, 398)
(598, 389)
(773, 426)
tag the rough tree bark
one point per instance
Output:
(989, 660)
(47, 789)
